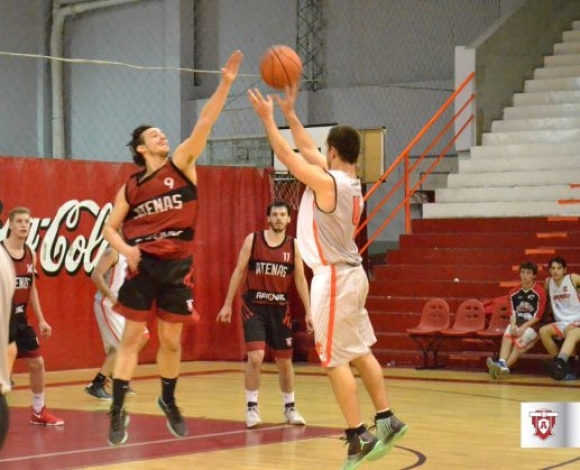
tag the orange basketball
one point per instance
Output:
(280, 67)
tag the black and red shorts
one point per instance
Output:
(267, 325)
(158, 284)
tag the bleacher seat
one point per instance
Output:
(470, 319)
(427, 334)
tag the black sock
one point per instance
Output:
(289, 405)
(99, 380)
(119, 390)
(252, 404)
(352, 432)
(168, 390)
(383, 415)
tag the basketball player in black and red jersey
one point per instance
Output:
(269, 260)
(157, 210)
(23, 342)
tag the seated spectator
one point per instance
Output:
(565, 302)
(527, 301)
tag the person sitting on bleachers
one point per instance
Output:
(527, 302)
(564, 298)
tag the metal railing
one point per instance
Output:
(404, 159)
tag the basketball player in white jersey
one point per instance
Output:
(108, 276)
(327, 219)
(7, 285)
(564, 298)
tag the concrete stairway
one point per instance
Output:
(528, 164)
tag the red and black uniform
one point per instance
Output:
(265, 309)
(527, 303)
(19, 330)
(161, 221)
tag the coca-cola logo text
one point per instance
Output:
(62, 243)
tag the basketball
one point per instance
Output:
(280, 67)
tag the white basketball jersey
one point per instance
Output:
(114, 278)
(565, 301)
(326, 238)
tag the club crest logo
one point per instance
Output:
(544, 421)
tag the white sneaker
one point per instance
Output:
(493, 368)
(253, 417)
(503, 371)
(293, 417)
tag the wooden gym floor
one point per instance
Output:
(457, 420)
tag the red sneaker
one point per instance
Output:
(44, 418)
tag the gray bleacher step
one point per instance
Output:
(546, 97)
(532, 150)
(507, 194)
(514, 178)
(561, 60)
(552, 84)
(518, 163)
(567, 48)
(553, 123)
(498, 209)
(571, 36)
(533, 136)
(563, 71)
(542, 111)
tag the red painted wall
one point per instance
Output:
(70, 200)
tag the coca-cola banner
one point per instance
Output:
(70, 201)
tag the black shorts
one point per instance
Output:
(160, 283)
(267, 324)
(25, 338)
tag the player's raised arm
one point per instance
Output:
(191, 148)
(310, 174)
(302, 139)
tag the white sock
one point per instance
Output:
(37, 402)
(288, 398)
(252, 396)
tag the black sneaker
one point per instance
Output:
(175, 422)
(119, 421)
(363, 447)
(558, 368)
(390, 430)
(97, 391)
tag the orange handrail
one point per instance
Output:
(408, 170)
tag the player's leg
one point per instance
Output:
(111, 326)
(500, 368)
(124, 366)
(40, 414)
(571, 339)
(253, 318)
(168, 363)
(556, 367)
(280, 339)
(134, 302)
(97, 386)
(174, 308)
(11, 352)
(28, 348)
(338, 341)
(547, 334)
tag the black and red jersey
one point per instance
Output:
(25, 272)
(270, 271)
(527, 303)
(163, 212)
